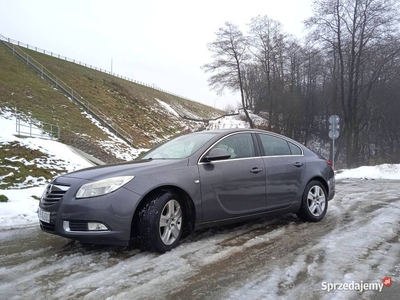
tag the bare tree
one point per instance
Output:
(382, 128)
(230, 55)
(350, 29)
(348, 65)
(266, 36)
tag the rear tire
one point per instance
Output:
(161, 222)
(314, 203)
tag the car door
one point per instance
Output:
(236, 186)
(284, 165)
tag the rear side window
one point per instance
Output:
(295, 150)
(274, 146)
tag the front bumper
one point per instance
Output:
(69, 217)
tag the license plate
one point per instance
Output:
(44, 216)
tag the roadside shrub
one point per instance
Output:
(3, 198)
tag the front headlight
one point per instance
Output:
(102, 187)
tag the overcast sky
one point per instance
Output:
(161, 42)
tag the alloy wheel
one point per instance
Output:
(316, 200)
(170, 222)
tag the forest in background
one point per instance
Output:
(348, 64)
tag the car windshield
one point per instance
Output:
(180, 147)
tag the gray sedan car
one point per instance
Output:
(197, 180)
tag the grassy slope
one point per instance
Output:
(131, 106)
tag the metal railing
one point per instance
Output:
(73, 95)
(40, 129)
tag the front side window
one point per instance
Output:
(238, 145)
(274, 146)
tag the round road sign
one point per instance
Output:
(334, 119)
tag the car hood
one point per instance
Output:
(134, 168)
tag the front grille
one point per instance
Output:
(78, 225)
(53, 194)
(47, 227)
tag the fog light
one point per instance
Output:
(66, 226)
(93, 226)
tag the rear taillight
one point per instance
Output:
(329, 162)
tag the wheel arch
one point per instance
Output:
(189, 208)
(304, 213)
(322, 181)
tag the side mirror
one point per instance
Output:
(217, 154)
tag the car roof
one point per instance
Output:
(222, 132)
(233, 130)
(229, 130)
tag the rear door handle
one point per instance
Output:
(256, 170)
(298, 164)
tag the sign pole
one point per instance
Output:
(333, 153)
(333, 134)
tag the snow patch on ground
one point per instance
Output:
(236, 121)
(114, 144)
(385, 171)
(167, 107)
(21, 208)
(227, 123)
(58, 155)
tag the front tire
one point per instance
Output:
(314, 203)
(161, 222)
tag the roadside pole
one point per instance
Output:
(333, 134)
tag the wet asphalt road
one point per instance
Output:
(250, 260)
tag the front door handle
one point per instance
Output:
(298, 164)
(256, 170)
